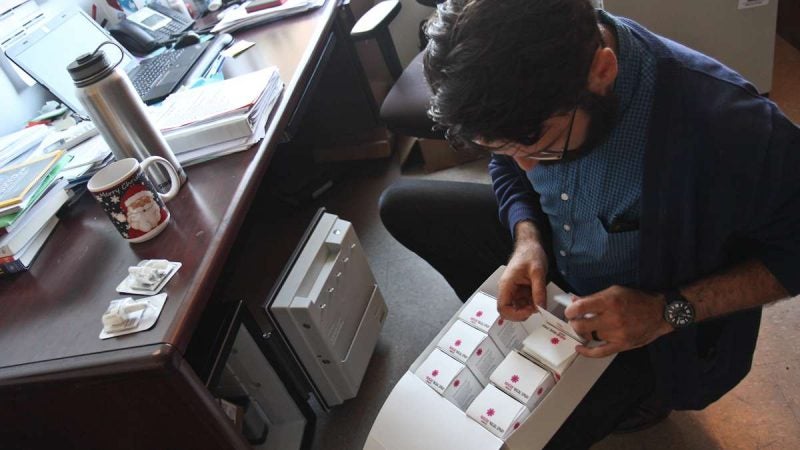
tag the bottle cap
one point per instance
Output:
(89, 68)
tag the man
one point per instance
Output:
(647, 179)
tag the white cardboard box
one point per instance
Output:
(497, 412)
(522, 379)
(481, 313)
(415, 417)
(451, 379)
(473, 348)
(552, 348)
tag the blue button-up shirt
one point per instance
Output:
(593, 203)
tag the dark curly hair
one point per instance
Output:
(499, 68)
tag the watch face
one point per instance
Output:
(679, 314)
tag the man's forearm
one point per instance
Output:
(744, 286)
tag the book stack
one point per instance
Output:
(18, 144)
(218, 118)
(30, 196)
(259, 12)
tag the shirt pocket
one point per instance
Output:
(618, 249)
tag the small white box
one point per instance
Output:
(481, 313)
(552, 344)
(473, 348)
(451, 379)
(522, 379)
(497, 412)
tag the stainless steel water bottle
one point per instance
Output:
(119, 113)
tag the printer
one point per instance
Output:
(329, 310)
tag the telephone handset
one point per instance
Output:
(149, 28)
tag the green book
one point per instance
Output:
(9, 217)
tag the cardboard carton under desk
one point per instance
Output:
(415, 417)
(437, 154)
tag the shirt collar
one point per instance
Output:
(629, 59)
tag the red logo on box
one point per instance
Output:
(458, 342)
(456, 383)
(514, 378)
(539, 391)
(490, 412)
(479, 352)
(479, 313)
(555, 341)
(516, 425)
(435, 373)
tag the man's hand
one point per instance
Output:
(523, 282)
(624, 318)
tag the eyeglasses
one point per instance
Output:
(555, 155)
(460, 143)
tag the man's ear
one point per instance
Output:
(603, 72)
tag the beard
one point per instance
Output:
(145, 218)
(602, 111)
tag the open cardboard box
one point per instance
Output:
(415, 417)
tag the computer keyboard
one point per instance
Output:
(151, 71)
(156, 77)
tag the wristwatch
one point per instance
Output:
(678, 312)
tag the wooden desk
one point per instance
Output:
(62, 386)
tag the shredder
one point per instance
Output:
(329, 310)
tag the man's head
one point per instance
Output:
(518, 77)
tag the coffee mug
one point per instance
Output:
(135, 208)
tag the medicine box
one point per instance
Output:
(449, 378)
(522, 379)
(416, 417)
(552, 347)
(481, 313)
(472, 348)
(497, 412)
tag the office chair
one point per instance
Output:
(404, 110)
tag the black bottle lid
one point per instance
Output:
(89, 68)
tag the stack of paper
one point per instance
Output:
(219, 118)
(88, 158)
(237, 17)
(17, 145)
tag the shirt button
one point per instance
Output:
(563, 253)
(564, 196)
(563, 272)
(567, 227)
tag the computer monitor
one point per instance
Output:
(47, 50)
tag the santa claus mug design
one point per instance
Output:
(129, 199)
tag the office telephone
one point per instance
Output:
(150, 28)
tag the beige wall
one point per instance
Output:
(742, 39)
(405, 27)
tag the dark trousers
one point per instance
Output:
(454, 226)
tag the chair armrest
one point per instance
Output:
(375, 20)
(374, 24)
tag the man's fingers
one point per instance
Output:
(539, 292)
(516, 305)
(583, 306)
(599, 351)
(509, 312)
(584, 327)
